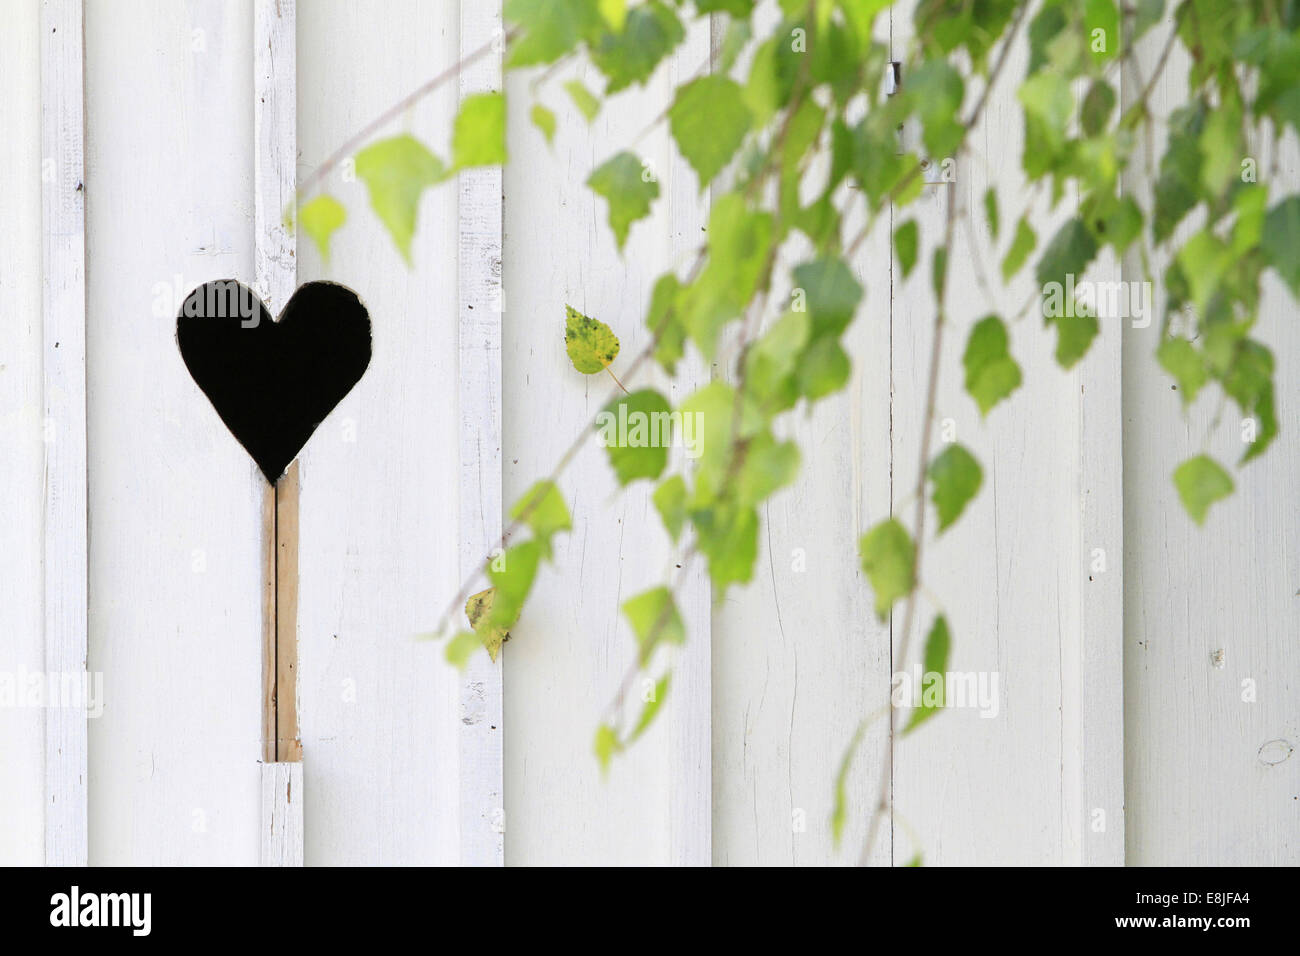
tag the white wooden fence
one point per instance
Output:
(134, 527)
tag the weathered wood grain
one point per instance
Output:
(63, 269)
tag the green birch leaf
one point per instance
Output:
(542, 508)
(583, 99)
(544, 120)
(709, 120)
(637, 431)
(1021, 246)
(823, 369)
(830, 294)
(839, 809)
(396, 172)
(478, 136)
(461, 648)
(654, 618)
(512, 575)
(1101, 19)
(651, 708)
(614, 12)
(631, 54)
(991, 211)
(1097, 107)
(937, 645)
(1201, 481)
(1069, 253)
(1281, 241)
(670, 501)
(1180, 359)
(625, 184)
(1074, 335)
(956, 477)
(728, 538)
(991, 373)
(591, 344)
(606, 745)
(889, 561)
(905, 243)
(548, 29)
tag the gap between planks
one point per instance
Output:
(281, 736)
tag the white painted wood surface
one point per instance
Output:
(1003, 789)
(175, 502)
(740, 767)
(569, 654)
(378, 551)
(1212, 776)
(282, 814)
(689, 712)
(480, 306)
(800, 659)
(22, 416)
(275, 148)
(63, 269)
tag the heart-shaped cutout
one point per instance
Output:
(273, 382)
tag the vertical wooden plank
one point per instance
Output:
(282, 798)
(799, 656)
(175, 563)
(22, 466)
(1093, 674)
(379, 551)
(690, 797)
(482, 801)
(1098, 668)
(275, 174)
(1211, 612)
(275, 146)
(1006, 576)
(572, 649)
(64, 311)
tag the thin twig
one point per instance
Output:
(317, 175)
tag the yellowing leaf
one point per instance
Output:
(319, 218)
(591, 343)
(479, 608)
